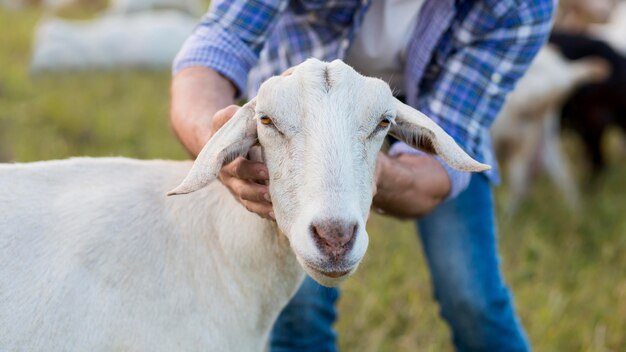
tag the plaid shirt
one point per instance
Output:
(469, 66)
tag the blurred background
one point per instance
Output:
(91, 77)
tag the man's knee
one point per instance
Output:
(465, 306)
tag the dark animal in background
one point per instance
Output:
(594, 107)
(526, 133)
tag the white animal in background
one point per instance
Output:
(614, 30)
(527, 128)
(577, 15)
(49, 5)
(141, 40)
(54, 5)
(603, 19)
(13, 5)
(94, 256)
(192, 7)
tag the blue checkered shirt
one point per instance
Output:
(462, 61)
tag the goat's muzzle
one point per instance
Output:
(334, 238)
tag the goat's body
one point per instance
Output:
(528, 127)
(93, 256)
(594, 108)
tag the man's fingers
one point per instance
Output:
(245, 169)
(249, 191)
(264, 210)
(252, 196)
(255, 197)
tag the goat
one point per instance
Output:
(614, 30)
(13, 5)
(592, 108)
(93, 256)
(145, 40)
(191, 7)
(528, 126)
(602, 19)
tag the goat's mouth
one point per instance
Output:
(333, 274)
(328, 276)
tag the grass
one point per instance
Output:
(567, 271)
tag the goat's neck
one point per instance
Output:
(252, 258)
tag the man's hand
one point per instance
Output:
(245, 179)
(202, 102)
(409, 186)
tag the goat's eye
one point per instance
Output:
(265, 120)
(384, 123)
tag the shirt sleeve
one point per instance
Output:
(230, 38)
(486, 62)
(487, 58)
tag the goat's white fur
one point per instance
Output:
(93, 256)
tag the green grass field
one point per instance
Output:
(567, 271)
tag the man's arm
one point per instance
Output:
(210, 72)
(464, 98)
(201, 103)
(198, 93)
(211, 69)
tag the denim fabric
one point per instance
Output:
(305, 325)
(459, 240)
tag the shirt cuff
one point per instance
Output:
(459, 180)
(213, 47)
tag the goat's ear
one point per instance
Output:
(417, 130)
(232, 140)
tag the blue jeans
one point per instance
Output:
(459, 242)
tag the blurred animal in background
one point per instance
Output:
(614, 30)
(526, 133)
(55, 7)
(130, 34)
(593, 108)
(578, 15)
(17, 4)
(603, 20)
(140, 40)
(191, 7)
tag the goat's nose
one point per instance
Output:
(334, 237)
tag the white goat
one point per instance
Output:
(192, 7)
(13, 5)
(528, 125)
(144, 40)
(94, 257)
(50, 6)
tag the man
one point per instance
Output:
(453, 60)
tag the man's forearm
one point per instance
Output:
(197, 94)
(410, 186)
